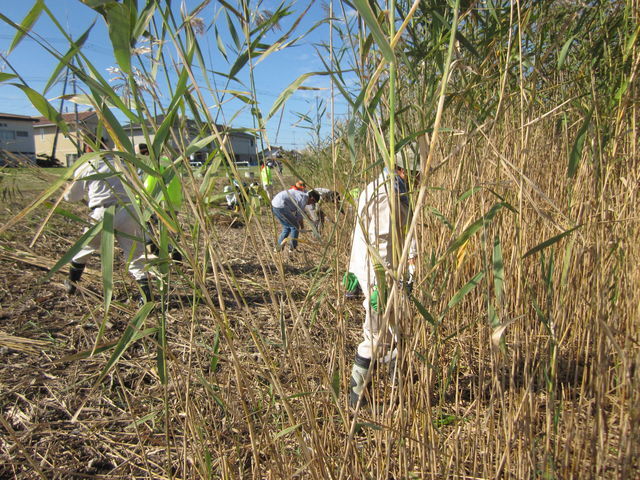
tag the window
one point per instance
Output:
(21, 133)
(7, 135)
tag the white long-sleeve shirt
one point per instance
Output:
(372, 236)
(99, 192)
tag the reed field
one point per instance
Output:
(519, 352)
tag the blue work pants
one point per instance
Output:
(290, 226)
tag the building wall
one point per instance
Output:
(16, 137)
(243, 146)
(244, 149)
(66, 150)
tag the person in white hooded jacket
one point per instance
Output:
(99, 183)
(373, 243)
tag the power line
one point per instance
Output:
(89, 46)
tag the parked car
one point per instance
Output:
(197, 159)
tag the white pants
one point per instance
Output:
(373, 334)
(123, 223)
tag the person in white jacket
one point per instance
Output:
(98, 182)
(373, 244)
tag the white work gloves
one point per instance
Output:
(408, 286)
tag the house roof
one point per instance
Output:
(190, 123)
(11, 116)
(67, 117)
(273, 150)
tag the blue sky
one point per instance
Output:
(272, 75)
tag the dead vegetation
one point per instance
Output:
(259, 361)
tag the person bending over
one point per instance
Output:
(98, 181)
(288, 207)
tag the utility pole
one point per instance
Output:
(75, 110)
(55, 137)
(318, 118)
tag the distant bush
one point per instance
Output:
(47, 161)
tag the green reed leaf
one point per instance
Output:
(130, 335)
(440, 216)
(163, 131)
(460, 294)
(6, 76)
(118, 17)
(423, 311)
(220, 43)
(232, 28)
(106, 255)
(367, 14)
(287, 430)
(287, 92)
(578, 144)
(498, 270)
(67, 214)
(75, 248)
(64, 62)
(475, 226)
(564, 51)
(472, 191)
(44, 107)
(144, 18)
(27, 22)
(550, 241)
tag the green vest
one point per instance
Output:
(174, 188)
(265, 175)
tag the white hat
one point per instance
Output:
(408, 158)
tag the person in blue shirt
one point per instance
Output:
(288, 207)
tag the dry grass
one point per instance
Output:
(258, 371)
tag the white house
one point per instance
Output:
(16, 139)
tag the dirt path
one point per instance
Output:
(62, 425)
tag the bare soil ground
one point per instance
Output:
(57, 423)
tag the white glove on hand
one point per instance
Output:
(408, 286)
(412, 270)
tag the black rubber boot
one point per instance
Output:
(176, 256)
(75, 272)
(358, 381)
(152, 248)
(145, 291)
